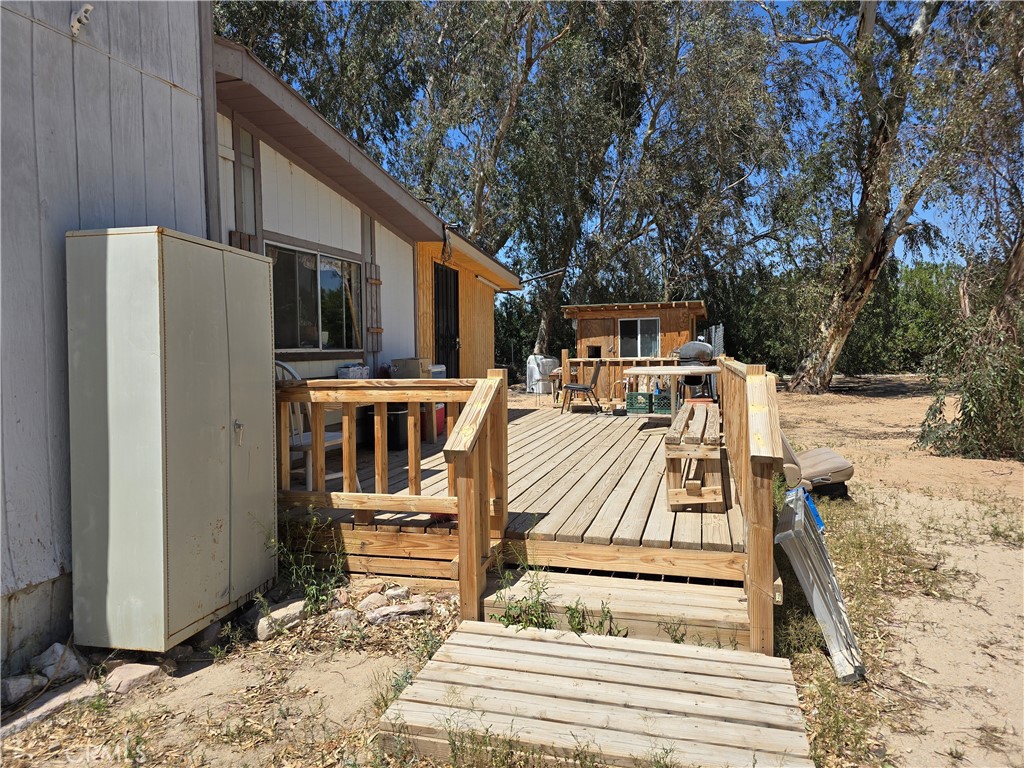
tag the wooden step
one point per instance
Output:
(617, 699)
(696, 614)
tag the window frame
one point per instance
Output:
(319, 252)
(639, 349)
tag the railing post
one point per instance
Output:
(760, 562)
(498, 430)
(466, 491)
(451, 412)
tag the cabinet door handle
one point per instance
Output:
(239, 428)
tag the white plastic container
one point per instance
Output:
(353, 372)
(538, 371)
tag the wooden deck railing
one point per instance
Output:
(476, 452)
(754, 443)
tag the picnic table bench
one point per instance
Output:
(693, 458)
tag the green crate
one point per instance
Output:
(639, 402)
(662, 403)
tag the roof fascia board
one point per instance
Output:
(506, 278)
(237, 62)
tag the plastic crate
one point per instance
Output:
(639, 402)
(662, 403)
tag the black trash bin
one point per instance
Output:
(398, 426)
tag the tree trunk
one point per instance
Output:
(814, 374)
(550, 304)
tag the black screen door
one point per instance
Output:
(446, 319)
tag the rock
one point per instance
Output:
(397, 593)
(283, 616)
(346, 618)
(168, 666)
(372, 602)
(391, 612)
(58, 663)
(14, 689)
(340, 598)
(207, 637)
(111, 664)
(358, 589)
(131, 676)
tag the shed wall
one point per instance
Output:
(397, 294)
(101, 130)
(678, 326)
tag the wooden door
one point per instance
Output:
(446, 319)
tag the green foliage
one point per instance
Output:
(581, 621)
(532, 609)
(306, 563)
(979, 397)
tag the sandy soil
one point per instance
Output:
(961, 657)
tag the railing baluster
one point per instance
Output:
(451, 412)
(499, 456)
(380, 447)
(284, 443)
(316, 428)
(415, 485)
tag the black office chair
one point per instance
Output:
(584, 389)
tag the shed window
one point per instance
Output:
(318, 301)
(639, 338)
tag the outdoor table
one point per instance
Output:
(673, 372)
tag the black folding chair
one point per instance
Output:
(584, 389)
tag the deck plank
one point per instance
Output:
(608, 517)
(634, 519)
(554, 691)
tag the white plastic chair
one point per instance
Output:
(300, 440)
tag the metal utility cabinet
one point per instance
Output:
(170, 361)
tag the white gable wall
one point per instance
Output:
(296, 204)
(397, 294)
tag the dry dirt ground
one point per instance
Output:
(962, 655)
(311, 698)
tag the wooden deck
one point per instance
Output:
(585, 491)
(622, 699)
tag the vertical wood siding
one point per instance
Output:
(102, 130)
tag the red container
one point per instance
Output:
(439, 419)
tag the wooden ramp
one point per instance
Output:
(699, 614)
(622, 699)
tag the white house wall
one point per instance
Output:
(99, 131)
(296, 204)
(397, 294)
(226, 176)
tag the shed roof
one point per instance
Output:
(247, 87)
(570, 311)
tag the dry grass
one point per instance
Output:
(876, 563)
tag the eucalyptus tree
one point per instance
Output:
(912, 80)
(352, 61)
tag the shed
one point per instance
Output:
(644, 329)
